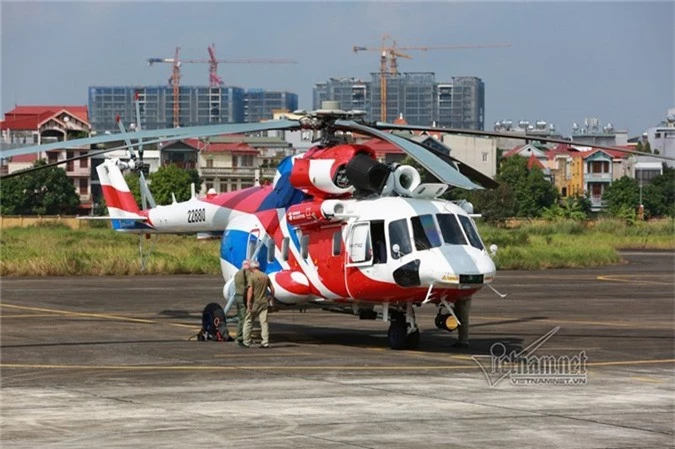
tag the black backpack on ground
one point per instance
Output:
(214, 326)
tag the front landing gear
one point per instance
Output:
(403, 331)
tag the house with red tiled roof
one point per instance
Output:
(36, 125)
(578, 170)
(228, 166)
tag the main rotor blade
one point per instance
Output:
(465, 169)
(525, 137)
(430, 161)
(161, 134)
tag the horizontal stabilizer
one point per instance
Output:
(126, 217)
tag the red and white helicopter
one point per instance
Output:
(336, 227)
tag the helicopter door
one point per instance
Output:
(359, 248)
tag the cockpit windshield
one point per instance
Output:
(471, 232)
(425, 232)
(399, 235)
(450, 229)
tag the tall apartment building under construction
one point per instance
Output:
(198, 105)
(421, 100)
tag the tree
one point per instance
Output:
(171, 179)
(622, 194)
(532, 193)
(43, 192)
(495, 205)
(133, 181)
(571, 208)
(659, 196)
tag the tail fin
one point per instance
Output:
(120, 201)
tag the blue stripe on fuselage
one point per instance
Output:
(283, 194)
(234, 247)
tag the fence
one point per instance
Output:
(19, 221)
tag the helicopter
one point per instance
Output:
(335, 229)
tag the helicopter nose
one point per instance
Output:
(455, 265)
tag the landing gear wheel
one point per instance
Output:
(412, 340)
(397, 334)
(439, 321)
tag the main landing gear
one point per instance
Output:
(403, 331)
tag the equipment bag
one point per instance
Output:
(213, 324)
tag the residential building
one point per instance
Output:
(477, 152)
(467, 104)
(423, 101)
(181, 153)
(538, 128)
(235, 162)
(578, 170)
(662, 138)
(592, 134)
(227, 166)
(29, 125)
(351, 93)
(260, 104)
(198, 105)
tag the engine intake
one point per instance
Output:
(366, 174)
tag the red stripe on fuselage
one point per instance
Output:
(248, 200)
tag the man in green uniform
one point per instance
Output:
(240, 280)
(256, 304)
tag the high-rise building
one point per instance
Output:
(467, 104)
(416, 95)
(351, 93)
(198, 105)
(260, 104)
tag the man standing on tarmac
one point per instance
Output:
(240, 281)
(257, 304)
(463, 309)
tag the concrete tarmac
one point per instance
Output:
(106, 362)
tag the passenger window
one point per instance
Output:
(270, 250)
(337, 243)
(284, 248)
(399, 235)
(425, 233)
(304, 246)
(450, 229)
(471, 232)
(359, 243)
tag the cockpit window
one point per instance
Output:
(399, 235)
(425, 233)
(471, 232)
(450, 229)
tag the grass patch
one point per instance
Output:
(573, 244)
(61, 251)
(55, 251)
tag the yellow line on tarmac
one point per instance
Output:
(647, 379)
(525, 320)
(240, 367)
(290, 368)
(631, 362)
(30, 315)
(93, 315)
(618, 278)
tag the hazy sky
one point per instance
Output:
(567, 61)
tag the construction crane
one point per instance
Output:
(391, 53)
(214, 79)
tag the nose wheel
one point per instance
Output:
(403, 331)
(446, 322)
